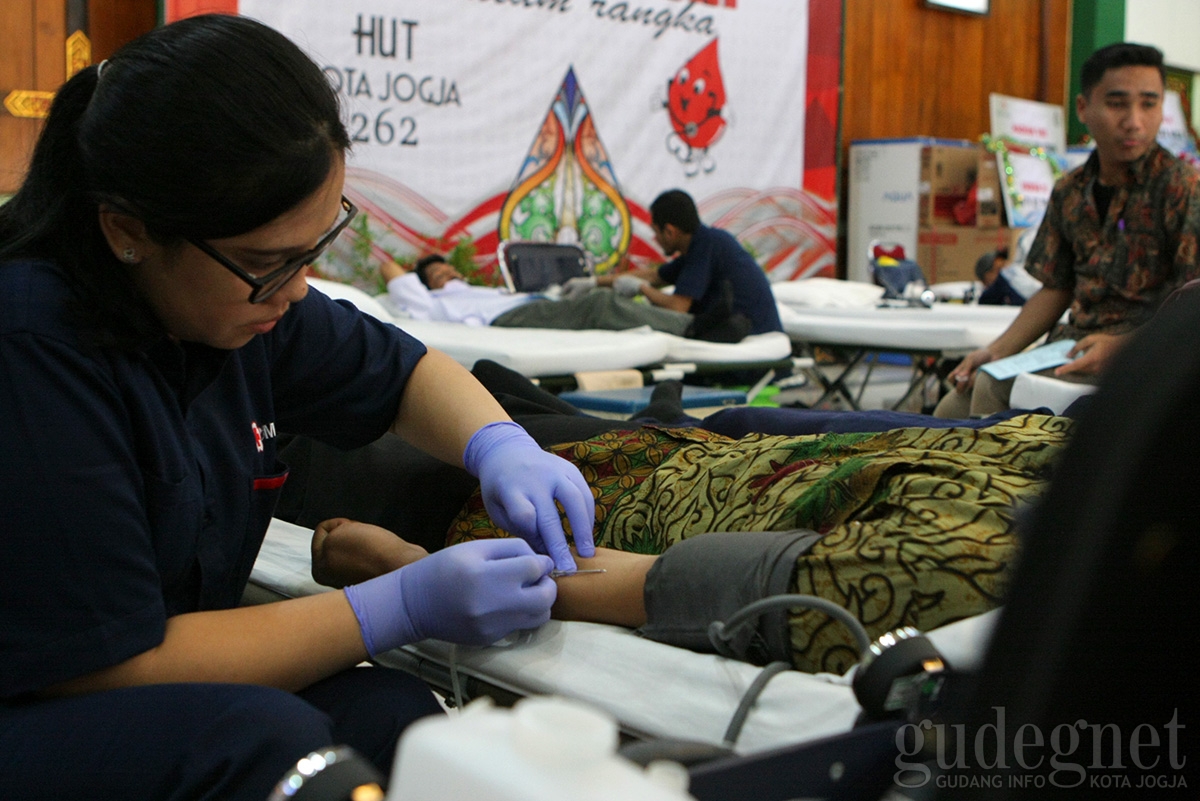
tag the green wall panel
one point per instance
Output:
(1094, 23)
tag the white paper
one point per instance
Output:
(1030, 361)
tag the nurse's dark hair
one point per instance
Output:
(677, 208)
(1114, 56)
(206, 128)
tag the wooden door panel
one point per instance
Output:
(32, 33)
(33, 39)
(25, 25)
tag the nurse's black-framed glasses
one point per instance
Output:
(263, 287)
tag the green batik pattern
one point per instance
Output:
(599, 224)
(535, 220)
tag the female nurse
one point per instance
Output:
(156, 336)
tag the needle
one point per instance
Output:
(564, 573)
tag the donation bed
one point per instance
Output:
(852, 319)
(653, 690)
(555, 356)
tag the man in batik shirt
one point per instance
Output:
(1119, 235)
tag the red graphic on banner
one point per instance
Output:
(822, 98)
(178, 9)
(695, 99)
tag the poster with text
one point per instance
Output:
(1028, 179)
(1175, 134)
(479, 121)
(1030, 122)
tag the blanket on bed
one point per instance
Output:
(916, 523)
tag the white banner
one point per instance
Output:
(1029, 181)
(560, 120)
(1029, 122)
(1174, 133)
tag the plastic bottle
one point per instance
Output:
(543, 749)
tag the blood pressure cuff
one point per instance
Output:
(710, 576)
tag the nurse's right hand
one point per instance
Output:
(473, 593)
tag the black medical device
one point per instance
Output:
(900, 678)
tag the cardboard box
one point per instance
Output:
(949, 252)
(947, 174)
(884, 177)
(886, 190)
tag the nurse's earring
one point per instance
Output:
(129, 256)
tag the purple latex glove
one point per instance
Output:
(473, 593)
(520, 483)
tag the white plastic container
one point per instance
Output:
(543, 749)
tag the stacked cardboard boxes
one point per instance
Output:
(947, 175)
(947, 247)
(918, 193)
(949, 252)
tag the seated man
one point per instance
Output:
(1120, 233)
(712, 273)
(435, 290)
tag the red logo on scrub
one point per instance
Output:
(261, 433)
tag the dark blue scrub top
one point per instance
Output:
(137, 485)
(715, 256)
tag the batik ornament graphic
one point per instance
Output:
(566, 190)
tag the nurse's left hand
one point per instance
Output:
(520, 484)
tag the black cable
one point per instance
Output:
(748, 700)
(720, 632)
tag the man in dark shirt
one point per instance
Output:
(997, 291)
(1119, 235)
(715, 278)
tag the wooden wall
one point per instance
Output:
(32, 35)
(909, 70)
(112, 23)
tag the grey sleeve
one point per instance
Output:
(711, 576)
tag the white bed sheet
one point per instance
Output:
(946, 328)
(1032, 391)
(653, 690)
(541, 352)
(536, 352)
(826, 293)
(834, 312)
(766, 347)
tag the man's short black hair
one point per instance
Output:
(1121, 54)
(423, 265)
(677, 208)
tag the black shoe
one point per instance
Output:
(666, 404)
